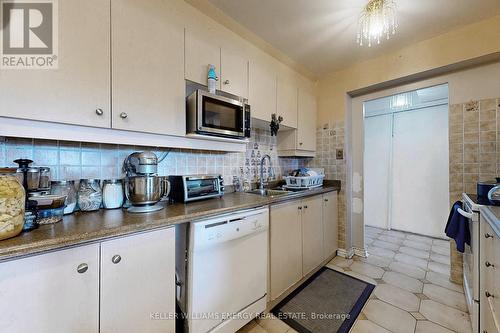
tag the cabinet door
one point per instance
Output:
(148, 67)
(234, 72)
(306, 126)
(262, 91)
(330, 223)
(287, 102)
(312, 233)
(77, 91)
(285, 247)
(138, 281)
(201, 50)
(46, 293)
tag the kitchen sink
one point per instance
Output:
(270, 192)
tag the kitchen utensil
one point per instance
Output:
(143, 192)
(12, 204)
(112, 193)
(141, 163)
(65, 188)
(89, 195)
(44, 183)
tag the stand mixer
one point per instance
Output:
(143, 187)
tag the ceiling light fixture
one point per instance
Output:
(377, 19)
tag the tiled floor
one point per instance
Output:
(413, 292)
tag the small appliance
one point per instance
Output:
(197, 187)
(215, 115)
(143, 187)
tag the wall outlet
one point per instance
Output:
(339, 153)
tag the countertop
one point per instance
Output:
(492, 217)
(87, 227)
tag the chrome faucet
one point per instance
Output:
(261, 185)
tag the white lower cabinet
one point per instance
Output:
(128, 287)
(303, 233)
(57, 292)
(138, 283)
(285, 247)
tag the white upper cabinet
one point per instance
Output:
(234, 72)
(148, 92)
(262, 90)
(77, 92)
(306, 129)
(287, 100)
(201, 50)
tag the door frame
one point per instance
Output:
(355, 149)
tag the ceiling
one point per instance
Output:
(321, 34)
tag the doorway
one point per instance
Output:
(406, 161)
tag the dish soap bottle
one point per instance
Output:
(212, 79)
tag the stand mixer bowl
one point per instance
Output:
(144, 190)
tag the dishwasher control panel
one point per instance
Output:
(228, 227)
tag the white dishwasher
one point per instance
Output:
(226, 271)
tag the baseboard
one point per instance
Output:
(348, 254)
(360, 252)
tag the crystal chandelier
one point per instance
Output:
(378, 19)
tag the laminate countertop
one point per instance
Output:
(87, 227)
(492, 216)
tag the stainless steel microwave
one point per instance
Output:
(216, 115)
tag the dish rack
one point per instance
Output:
(304, 182)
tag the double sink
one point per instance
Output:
(270, 193)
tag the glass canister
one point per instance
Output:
(44, 184)
(89, 195)
(68, 189)
(12, 201)
(112, 193)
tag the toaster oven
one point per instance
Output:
(196, 187)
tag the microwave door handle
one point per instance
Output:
(464, 213)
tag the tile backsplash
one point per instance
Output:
(75, 160)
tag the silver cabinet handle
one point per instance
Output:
(123, 115)
(116, 259)
(226, 82)
(305, 207)
(82, 268)
(299, 207)
(99, 112)
(488, 264)
(300, 143)
(326, 200)
(488, 295)
(487, 235)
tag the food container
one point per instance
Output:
(50, 216)
(12, 201)
(65, 188)
(48, 201)
(44, 183)
(33, 179)
(89, 195)
(112, 193)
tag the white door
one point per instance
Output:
(312, 233)
(57, 292)
(201, 49)
(330, 224)
(377, 170)
(78, 91)
(139, 283)
(420, 199)
(148, 67)
(287, 92)
(234, 72)
(262, 90)
(306, 127)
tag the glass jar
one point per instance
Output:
(33, 179)
(112, 193)
(12, 201)
(89, 195)
(68, 189)
(44, 183)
